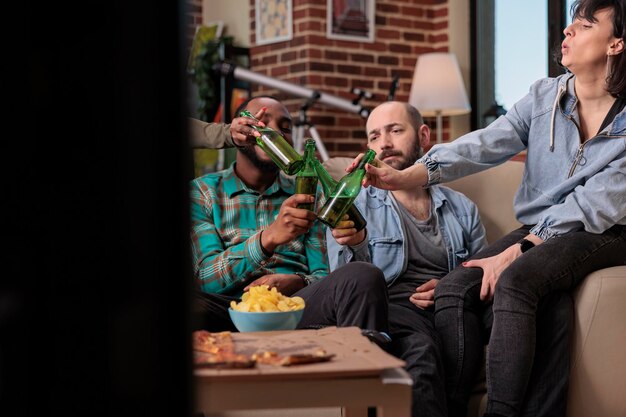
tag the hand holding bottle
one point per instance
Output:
(290, 222)
(241, 129)
(277, 148)
(344, 194)
(380, 175)
(345, 232)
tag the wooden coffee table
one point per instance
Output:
(361, 375)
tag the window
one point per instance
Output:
(512, 46)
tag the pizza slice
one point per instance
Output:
(273, 358)
(217, 350)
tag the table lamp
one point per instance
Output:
(437, 88)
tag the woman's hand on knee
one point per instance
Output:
(492, 269)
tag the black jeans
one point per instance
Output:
(352, 295)
(415, 341)
(531, 322)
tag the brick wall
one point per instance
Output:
(404, 29)
(193, 19)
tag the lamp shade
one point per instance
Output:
(437, 87)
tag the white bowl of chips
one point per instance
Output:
(263, 309)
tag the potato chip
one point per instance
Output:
(261, 299)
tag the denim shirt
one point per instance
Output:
(568, 185)
(458, 220)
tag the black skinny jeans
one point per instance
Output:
(530, 325)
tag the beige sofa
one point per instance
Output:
(598, 369)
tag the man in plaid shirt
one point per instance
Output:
(246, 230)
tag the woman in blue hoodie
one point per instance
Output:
(572, 203)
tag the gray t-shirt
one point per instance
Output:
(426, 253)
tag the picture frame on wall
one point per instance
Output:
(211, 31)
(351, 20)
(274, 21)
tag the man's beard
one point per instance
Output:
(249, 152)
(401, 163)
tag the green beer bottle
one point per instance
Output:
(306, 178)
(277, 148)
(328, 185)
(343, 195)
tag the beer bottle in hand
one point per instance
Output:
(277, 148)
(328, 185)
(344, 193)
(306, 178)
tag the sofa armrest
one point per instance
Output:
(598, 367)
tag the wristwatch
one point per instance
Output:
(525, 245)
(303, 276)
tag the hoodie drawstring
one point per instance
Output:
(553, 118)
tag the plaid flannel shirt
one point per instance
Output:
(227, 218)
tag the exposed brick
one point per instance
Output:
(387, 34)
(323, 120)
(423, 49)
(412, 36)
(348, 45)
(413, 11)
(310, 53)
(438, 38)
(350, 122)
(336, 81)
(299, 67)
(421, 24)
(318, 40)
(299, 14)
(288, 56)
(363, 84)
(387, 8)
(335, 55)
(309, 26)
(317, 12)
(433, 13)
(269, 60)
(315, 79)
(400, 48)
(349, 69)
(375, 72)
(400, 23)
(298, 41)
(402, 73)
(377, 47)
(388, 60)
(361, 58)
(279, 71)
(440, 25)
(322, 66)
(380, 20)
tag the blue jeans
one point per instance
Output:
(526, 327)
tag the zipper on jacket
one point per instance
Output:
(579, 155)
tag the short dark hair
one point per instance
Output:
(585, 9)
(415, 116)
